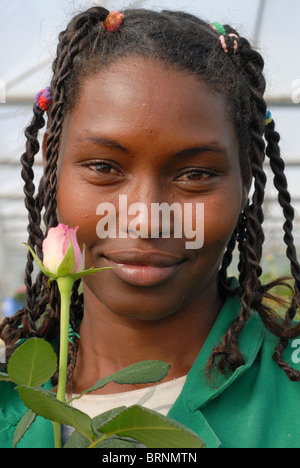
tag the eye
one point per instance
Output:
(194, 175)
(102, 172)
(103, 168)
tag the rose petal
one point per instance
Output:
(78, 255)
(56, 245)
(52, 249)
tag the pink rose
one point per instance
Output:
(56, 245)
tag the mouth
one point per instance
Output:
(143, 268)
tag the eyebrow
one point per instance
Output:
(213, 147)
(106, 142)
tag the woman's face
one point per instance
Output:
(141, 133)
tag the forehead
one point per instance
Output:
(148, 97)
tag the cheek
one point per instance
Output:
(75, 208)
(220, 219)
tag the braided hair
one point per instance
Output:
(183, 42)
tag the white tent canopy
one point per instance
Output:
(28, 38)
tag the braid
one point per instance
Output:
(284, 198)
(223, 286)
(227, 354)
(251, 241)
(11, 329)
(280, 182)
(75, 318)
(27, 160)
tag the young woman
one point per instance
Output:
(163, 108)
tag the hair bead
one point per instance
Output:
(218, 27)
(235, 43)
(224, 45)
(113, 21)
(72, 334)
(43, 99)
(268, 118)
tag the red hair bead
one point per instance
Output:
(43, 99)
(113, 21)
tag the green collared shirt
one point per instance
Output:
(255, 407)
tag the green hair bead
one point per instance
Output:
(219, 27)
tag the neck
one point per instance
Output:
(109, 342)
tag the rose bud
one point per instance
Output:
(61, 252)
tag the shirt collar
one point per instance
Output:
(250, 341)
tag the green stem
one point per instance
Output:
(96, 442)
(57, 434)
(65, 284)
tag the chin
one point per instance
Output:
(150, 309)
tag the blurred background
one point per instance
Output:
(28, 38)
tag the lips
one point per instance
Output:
(143, 268)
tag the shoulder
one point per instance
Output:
(12, 410)
(290, 355)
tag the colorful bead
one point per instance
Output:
(268, 118)
(218, 27)
(43, 99)
(72, 334)
(224, 45)
(113, 21)
(235, 44)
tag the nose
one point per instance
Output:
(145, 211)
